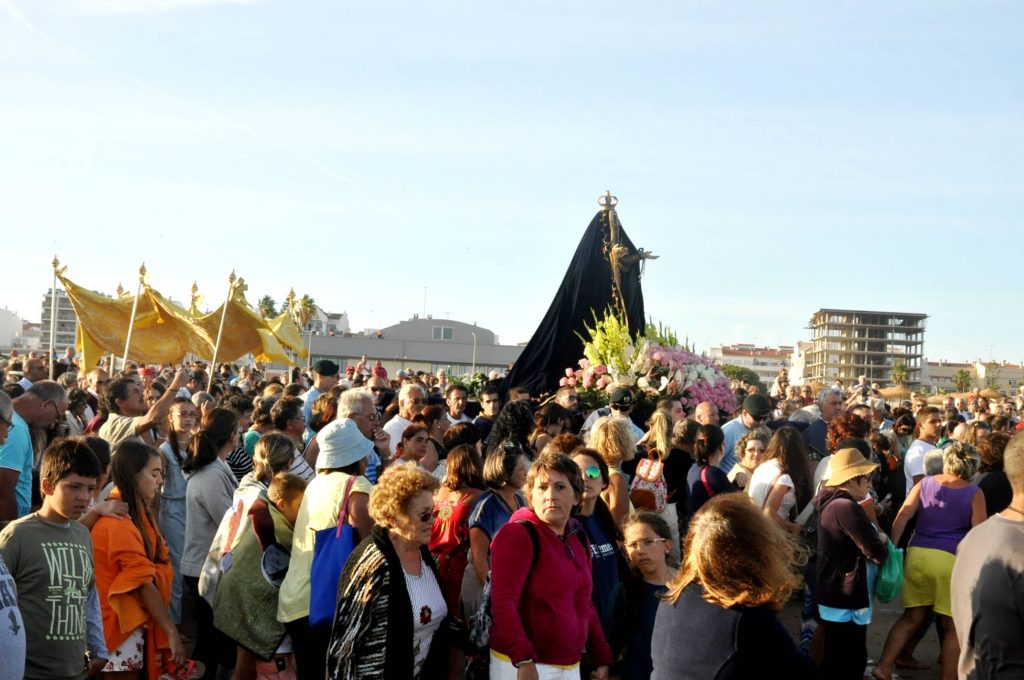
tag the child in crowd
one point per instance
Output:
(49, 555)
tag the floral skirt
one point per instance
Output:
(130, 656)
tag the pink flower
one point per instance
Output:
(657, 356)
(569, 373)
(570, 382)
(600, 369)
(584, 364)
(588, 380)
(563, 382)
(602, 382)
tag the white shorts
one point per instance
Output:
(502, 669)
(130, 656)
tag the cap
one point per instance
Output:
(325, 367)
(622, 397)
(758, 406)
(350, 367)
(341, 444)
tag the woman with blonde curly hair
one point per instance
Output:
(750, 450)
(739, 567)
(391, 619)
(613, 439)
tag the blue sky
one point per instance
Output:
(780, 157)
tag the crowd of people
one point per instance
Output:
(166, 522)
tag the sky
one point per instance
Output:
(394, 158)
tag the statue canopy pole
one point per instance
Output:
(131, 322)
(53, 315)
(220, 330)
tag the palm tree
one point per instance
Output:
(962, 380)
(303, 310)
(267, 307)
(899, 373)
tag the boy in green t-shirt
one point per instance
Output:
(49, 555)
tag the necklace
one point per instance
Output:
(1016, 510)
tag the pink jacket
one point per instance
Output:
(547, 615)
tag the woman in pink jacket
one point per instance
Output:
(543, 614)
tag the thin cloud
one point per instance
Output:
(12, 11)
(147, 6)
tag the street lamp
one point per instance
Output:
(472, 371)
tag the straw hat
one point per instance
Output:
(846, 464)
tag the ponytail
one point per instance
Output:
(709, 441)
(219, 427)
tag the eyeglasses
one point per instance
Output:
(592, 472)
(378, 389)
(643, 543)
(56, 411)
(428, 516)
(6, 423)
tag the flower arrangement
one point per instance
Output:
(611, 359)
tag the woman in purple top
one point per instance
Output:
(947, 506)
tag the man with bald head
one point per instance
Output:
(706, 413)
(34, 370)
(411, 399)
(42, 405)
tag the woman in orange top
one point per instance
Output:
(133, 571)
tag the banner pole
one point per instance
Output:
(53, 315)
(131, 322)
(220, 330)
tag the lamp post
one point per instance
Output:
(472, 371)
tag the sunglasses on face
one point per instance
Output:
(427, 516)
(592, 472)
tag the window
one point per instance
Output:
(444, 333)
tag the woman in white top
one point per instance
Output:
(779, 485)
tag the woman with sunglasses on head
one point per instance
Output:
(648, 539)
(604, 535)
(392, 619)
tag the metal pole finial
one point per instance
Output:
(231, 279)
(195, 288)
(607, 201)
(120, 290)
(142, 272)
(55, 263)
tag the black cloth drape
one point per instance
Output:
(586, 289)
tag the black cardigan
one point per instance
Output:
(395, 660)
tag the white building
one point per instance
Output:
(765, 361)
(10, 328)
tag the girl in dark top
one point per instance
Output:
(705, 479)
(604, 536)
(647, 538)
(739, 568)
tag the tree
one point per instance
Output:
(899, 374)
(302, 310)
(962, 380)
(744, 374)
(267, 307)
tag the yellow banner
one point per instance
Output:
(288, 333)
(162, 332)
(245, 331)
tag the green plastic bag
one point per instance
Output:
(890, 576)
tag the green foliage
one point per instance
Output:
(267, 307)
(472, 383)
(899, 374)
(745, 375)
(962, 380)
(661, 334)
(610, 343)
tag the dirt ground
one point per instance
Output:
(884, 616)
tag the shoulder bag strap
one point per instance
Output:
(770, 487)
(236, 519)
(704, 478)
(343, 510)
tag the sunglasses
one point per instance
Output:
(428, 516)
(592, 472)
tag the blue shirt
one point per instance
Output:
(605, 569)
(733, 431)
(16, 454)
(490, 512)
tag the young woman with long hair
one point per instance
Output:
(181, 426)
(779, 485)
(210, 487)
(134, 571)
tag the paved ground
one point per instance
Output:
(885, 615)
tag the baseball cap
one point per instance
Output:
(758, 406)
(325, 367)
(622, 397)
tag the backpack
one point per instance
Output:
(480, 622)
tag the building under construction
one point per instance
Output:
(848, 343)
